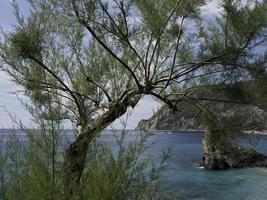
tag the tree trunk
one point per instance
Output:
(76, 153)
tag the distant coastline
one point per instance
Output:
(248, 132)
(173, 131)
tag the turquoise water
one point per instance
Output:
(183, 180)
(186, 181)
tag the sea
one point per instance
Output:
(185, 179)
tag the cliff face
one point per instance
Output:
(188, 118)
(223, 155)
(166, 119)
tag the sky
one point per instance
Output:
(10, 104)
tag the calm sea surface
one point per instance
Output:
(184, 180)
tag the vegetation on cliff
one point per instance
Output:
(189, 118)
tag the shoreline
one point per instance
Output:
(246, 132)
(173, 131)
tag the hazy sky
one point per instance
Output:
(9, 101)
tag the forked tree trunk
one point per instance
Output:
(76, 153)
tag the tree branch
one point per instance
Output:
(59, 80)
(84, 23)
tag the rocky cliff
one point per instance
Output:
(188, 117)
(224, 154)
(229, 155)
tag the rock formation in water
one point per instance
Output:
(228, 154)
(224, 154)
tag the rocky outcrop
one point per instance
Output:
(188, 118)
(225, 154)
(221, 121)
(231, 155)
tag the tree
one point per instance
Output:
(31, 163)
(101, 57)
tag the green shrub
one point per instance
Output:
(34, 170)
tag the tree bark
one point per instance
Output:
(76, 153)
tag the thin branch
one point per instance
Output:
(59, 80)
(66, 106)
(176, 49)
(205, 74)
(156, 68)
(88, 78)
(193, 68)
(162, 31)
(84, 23)
(99, 86)
(124, 37)
(165, 100)
(121, 6)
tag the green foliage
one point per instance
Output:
(27, 42)
(34, 171)
(156, 14)
(123, 173)
(101, 50)
(229, 121)
(240, 29)
(223, 128)
(31, 164)
(92, 57)
(245, 21)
